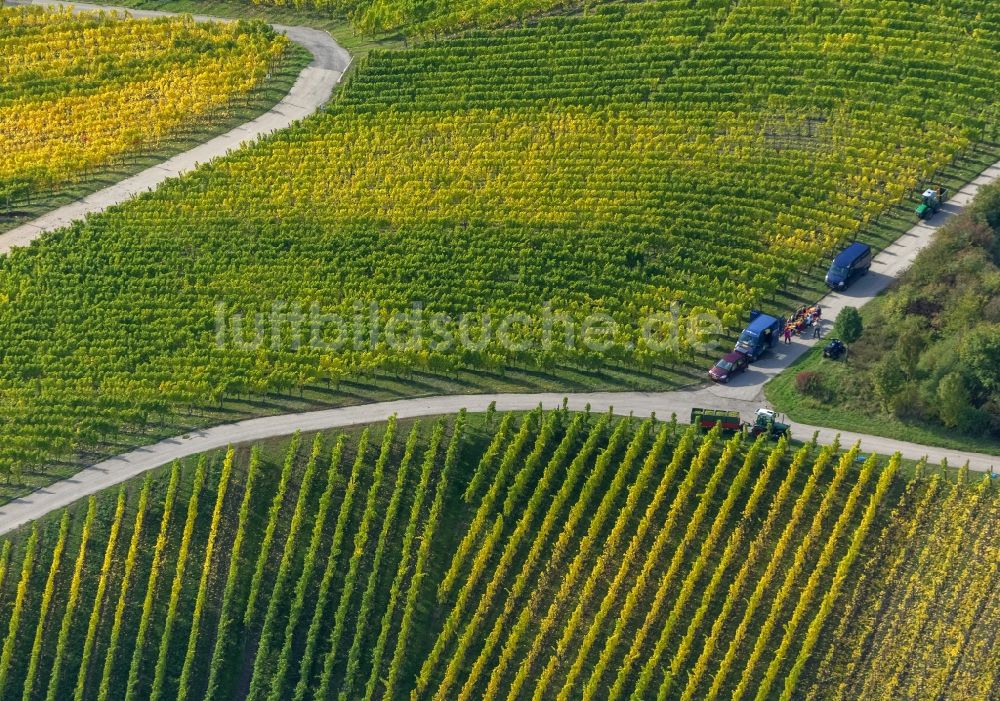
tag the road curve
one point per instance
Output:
(745, 394)
(312, 89)
(120, 468)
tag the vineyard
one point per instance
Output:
(79, 92)
(623, 161)
(539, 555)
(427, 18)
(921, 622)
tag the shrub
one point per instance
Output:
(809, 382)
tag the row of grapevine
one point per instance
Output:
(498, 482)
(663, 537)
(631, 557)
(830, 595)
(160, 672)
(785, 541)
(701, 668)
(472, 629)
(484, 470)
(229, 608)
(574, 569)
(633, 560)
(14, 624)
(47, 594)
(71, 603)
(308, 568)
(702, 562)
(95, 613)
(574, 473)
(430, 456)
(326, 585)
(365, 610)
(423, 554)
(691, 532)
(922, 618)
(70, 107)
(269, 532)
(406, 549)
(466, 593)
(104, 687)
(361, 538)
(609, 548)
(135, 668)
(263, 660)
(562, 139)
(185, 681)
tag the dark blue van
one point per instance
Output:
(850, 264)
(759, 335)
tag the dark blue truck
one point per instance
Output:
(760, 334)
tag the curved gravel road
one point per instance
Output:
(120, 468)
(744, 394)
(312, 89)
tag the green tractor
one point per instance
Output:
(766, 421)
(931, 202)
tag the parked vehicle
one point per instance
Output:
(931, 201)
(765, 421)
(729, 365)
(834, 349)
(850, 264)
(759, 335)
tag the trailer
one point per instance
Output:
(705, 419)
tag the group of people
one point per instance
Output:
(806, 317)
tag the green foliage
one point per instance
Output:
(74, 107)
(624, 563)
(71, 603)
(848, 326)
(929, 348)
(228, 613)
(14, 622)
(426, 18)
(981, 356)
(102, 582)
(186, 678)
(176, 588)
(888, 378)
(135, 669)
(264, 659)
(622, 160)
(47, 593)
(953, 399)
(269, 532)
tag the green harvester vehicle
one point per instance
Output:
(931, 202)
(764, 421)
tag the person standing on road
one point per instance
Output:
(816, 329)
(788, 334)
